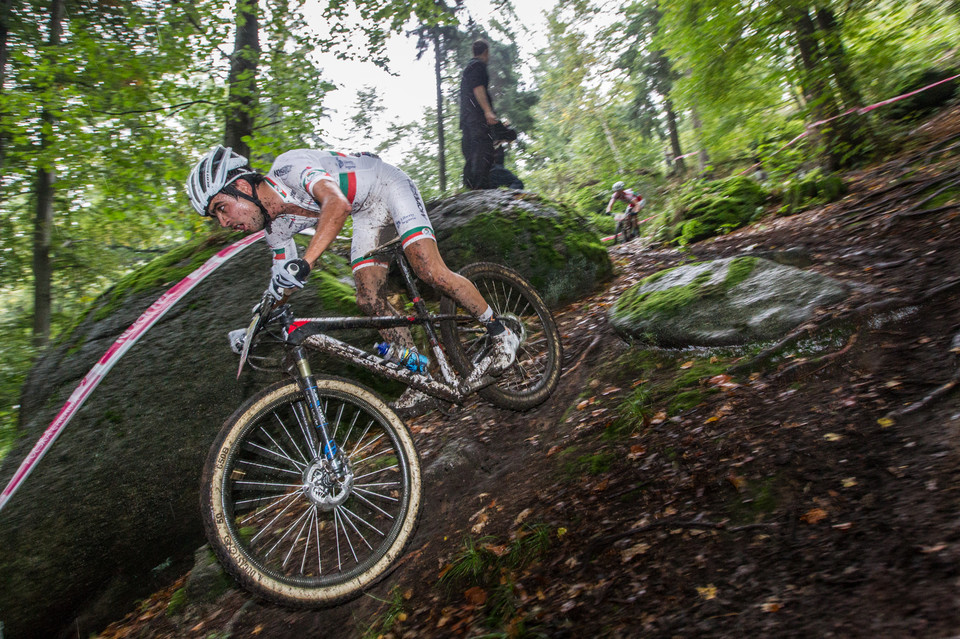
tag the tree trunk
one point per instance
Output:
(441, 142)
(677, 164)
(608, 134)
(816, 91)
(242, 81)
(855, 130)
(702, 156)
(836, 57)
(43, 222)
(5, 9)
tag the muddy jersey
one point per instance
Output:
(634, 200)
(385, 201)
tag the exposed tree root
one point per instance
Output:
(940, 392)
(583, 355)
(844, 317)
(794, 371)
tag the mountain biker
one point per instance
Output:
(310, 188)
(634, 201)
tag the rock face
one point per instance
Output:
(111, 512)
(722, 303)
(551, 247)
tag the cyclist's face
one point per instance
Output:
(236, 213)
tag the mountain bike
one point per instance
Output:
(627, 227)
(312, 489)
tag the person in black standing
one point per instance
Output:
(476, 118)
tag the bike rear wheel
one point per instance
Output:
(282, 522)
(536, 372)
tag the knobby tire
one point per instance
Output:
(535, 374)
(293, 547)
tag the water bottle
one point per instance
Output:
(402, 355)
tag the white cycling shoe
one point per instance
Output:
(502, 355)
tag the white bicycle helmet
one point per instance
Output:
(618, 186)
(216, 170)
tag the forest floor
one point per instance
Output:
(814, 496)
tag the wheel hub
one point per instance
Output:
(324, 487)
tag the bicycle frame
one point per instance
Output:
(311, 333)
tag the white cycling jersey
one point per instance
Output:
(386, 202)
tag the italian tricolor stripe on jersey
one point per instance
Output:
(279, 254)
(419, 233)
(368, 261)
(279, 189)
(348, 181)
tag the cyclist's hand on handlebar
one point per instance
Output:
(292, 274)
(236, 339)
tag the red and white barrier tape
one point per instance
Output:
(129, 337)
(857, 110)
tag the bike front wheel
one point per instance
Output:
(535, 374)
(289, 525)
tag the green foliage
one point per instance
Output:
(389, 620)
(812, 189)
(659, 381)
(16, 355)
(704, 208)
(495, 567)
(595, 464)
(178, 601)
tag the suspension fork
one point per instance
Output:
(328, 448)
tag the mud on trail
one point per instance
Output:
(815, 495)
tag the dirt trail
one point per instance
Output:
(784, 504)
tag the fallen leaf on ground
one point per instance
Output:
(738, 482)
(633, 551)
(814, 515)
(476, 595)
(707, 592)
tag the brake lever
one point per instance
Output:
(258, 321)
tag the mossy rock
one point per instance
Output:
(548, 244)
(716, 207)
(725, 302)
(812, 189)
(119, 488)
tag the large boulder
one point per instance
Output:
(722, 303)
(111, 512)
(551, 246)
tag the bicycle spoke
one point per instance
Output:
(266, 467)
(273, 521)
(283, 427)
(300, 413)
(354, 527)
(380, 470)
(374, 494)
(275, 502)
(297, 464)
(360, 462)
(340, 518)
(292, 517)
(367, 445)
